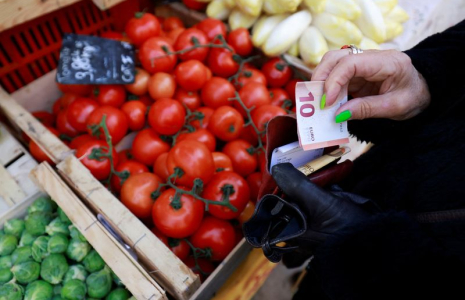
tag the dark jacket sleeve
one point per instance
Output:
(387, 257)
(441, 61)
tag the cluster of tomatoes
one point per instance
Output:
(191, 107)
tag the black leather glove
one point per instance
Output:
(305, 220)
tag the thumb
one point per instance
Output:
(380, 106)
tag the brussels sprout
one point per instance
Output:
(58, 243)
(118, 294)
(44, 203)
(56, 226)
(76, 234)
(39, 290)
(8, 244)
(5, 262)
(37, 221)
(26, 272)
(99, 283)
(74, 289)
(11, 291)
(54, 268)
(63, 217)
(14, 227)
(57, 289)
(26, 239)
(5, 275)
(75, 272)
(93, 262)
(21, 254)
(77, 250)
(58, 297)
(116, 279)
(40, 248)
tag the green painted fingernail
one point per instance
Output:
(343, 116)
(323, 101)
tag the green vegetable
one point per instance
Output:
(77, 250)
(21, 254)
(8, 244)
(37, 221)
(26, 272)
(14, 227)
(54, 268)
(27, 239)
(44, 204)
(5, 262)
(2, 232)
(56, 226)
(39, 290)
(58, 297)
(74, 290)
(11, 291)
(58, 243)
(5, 275)
(40, 248)
(118, 294)
(75, 272)
(57, 289)
(76, 234)
(93, 262)
(99, 283)
(116, 279)
(63, 217)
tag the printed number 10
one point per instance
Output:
(307, 109)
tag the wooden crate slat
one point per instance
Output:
(10, 190)
(137, 282)
(106, 4)
(169, 271)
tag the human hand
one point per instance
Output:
(384, 84)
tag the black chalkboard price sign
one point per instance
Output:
(88, 59)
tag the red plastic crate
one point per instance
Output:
(31, 49)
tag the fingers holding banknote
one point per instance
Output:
(384, 84)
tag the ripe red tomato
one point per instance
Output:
(177, 220)
(172, 23)
(245, 216)
(204, 267)
(190, 99)
(248, 134)
(180, 248)
(79, 140)
(216, 234)
(147, 146)
(250, 75)
(79, 111)
(252, 94)
(137, 193)
(212, 28)
(185, 40)
(131, 167)
(191, 75)
(142, 27)
(37, 152)
(160, 168)
(243, 162)
(161, 85)
(209, 73)
(226, 123)
(116, 121)
(262, 115)
(193, 4)
(166, 116)
(278, 96)
(216, 92)
(254, 181)
(78, 89)
(112, 35)
(153, 58)
(240, 40)
(135, 112)
(201, 135)
(100, 168)
(63, 102)
(44, 117)
(221, 62)
(206, 112)
(125, 155)
(277, 72)
(140, 85)
(109, 94)
(222, 162)
(63, 125)
(174, 34)
(194, 159)
(290, 88)
(227, 184)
